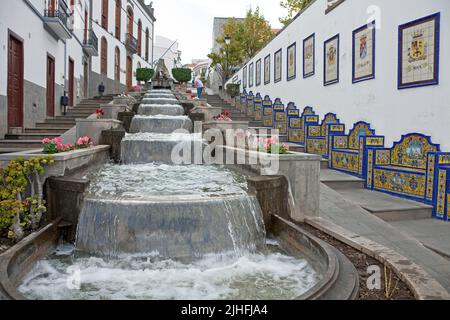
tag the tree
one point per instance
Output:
(247, 37)
(292, 6)
(229, 56)
(255, 32)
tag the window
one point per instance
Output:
(130, 21)
(147, 44)
(105, 14)
(139, 38)
(117, 65)
(104, 57)
(118, 18)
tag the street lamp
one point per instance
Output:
(227, 43)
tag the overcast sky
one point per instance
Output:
(191, 21)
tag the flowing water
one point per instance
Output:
(153, 230)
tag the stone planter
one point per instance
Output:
(226, 125)
(112, 110)
(65, 162)
(209, 112)
(129, 101)
(93, 127)
(301, 170)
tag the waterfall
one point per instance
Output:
(150, 205)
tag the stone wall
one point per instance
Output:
(111, 86)
(3, 116)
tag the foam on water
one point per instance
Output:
(269, 275)
(174, 136)
(152, 179)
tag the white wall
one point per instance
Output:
(391, 112)
(162, 44)
(139, 14)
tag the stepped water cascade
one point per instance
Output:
(150, 229)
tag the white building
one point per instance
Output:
(393, 110)
(49, 47)
(168, 50)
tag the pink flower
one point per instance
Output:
(57, 140)
(275, 139)
(46, 140)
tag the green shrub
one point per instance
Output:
(233, 89)
(144, 74)
(22, 204)
(182, 74)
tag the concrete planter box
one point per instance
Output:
(301, 170)
(112, 110)
(93, 127)
(129, 101)
(209, 112)
(65, 162)
(226, 125)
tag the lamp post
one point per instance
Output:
(227, 43)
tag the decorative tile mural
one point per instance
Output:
(309, 52)
(419, 52)
(406, 183)
(279, 121)
(250, 106)
(364, 53)
(292, 62)
(316, 146)
(331, 61)
(277, 66)
(267, 112)
(257, 104)
(267, 69)
(412, 151)
(258, 72)
(441, 194)
(347, 161)
(360, 129)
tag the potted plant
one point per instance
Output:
(233, 89)
(144, 74)
(182, 75)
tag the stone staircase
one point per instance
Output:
(31, 138)
(383, 206)
(236, 115)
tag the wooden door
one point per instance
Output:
(129, 72)
(71, 81)
(50, 86)
(86, 79)
(86, 21)
(15, 82)
(52, 7)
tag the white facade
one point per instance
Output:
(27, 21)
(392, 112)
(140, 15)
(168, 50)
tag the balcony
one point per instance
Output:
(131, 43)
(90, 45)
(56, 21)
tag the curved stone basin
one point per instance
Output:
(159, 101)
(160, 124)
(158, 109)
(170, 148)
(159, 95)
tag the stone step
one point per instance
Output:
(23, 144)
(386, 207)
(340, 181)
(31, 136)
(13, 150)
(323, 164)
(55, 125)
(66, 122)
(46, 130)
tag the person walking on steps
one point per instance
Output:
(199, 85)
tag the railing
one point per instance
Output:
(60, 12)
(92, 40)
(131, 43)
